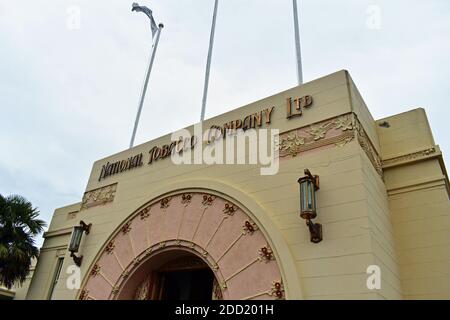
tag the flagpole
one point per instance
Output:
(144, 89)
(297, 44)
(208, 62)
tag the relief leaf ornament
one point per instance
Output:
(318, 131)
(165, 202)
(126, 227)
(229, 209)
(145, 213)
(84, 294)
(208, 199)
(291, 144)
(186, 198)
(266, 254)
(250, 227)
(110, 247)
(95, 270)
(344, 123)
(277, 289)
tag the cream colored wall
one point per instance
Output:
(380, 224)
(353, 204)
(419, 204)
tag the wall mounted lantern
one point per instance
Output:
(76, 240)
(309, 184)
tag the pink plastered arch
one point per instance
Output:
(212, 226)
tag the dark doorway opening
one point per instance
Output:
(187, 285)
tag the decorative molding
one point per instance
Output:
(125, 274)
(266, 254)
(337, 131)
(368, 148)
(95, 270)
(165, 202)
(186, 198)
(409, 157)
(229, 209)
(110, 247)
(136, 261)
(126, 227)
(84, 295)
(250, 227)
(277, 289)
(145, 213)
(208, 199)
(99, 196)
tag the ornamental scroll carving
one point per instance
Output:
(336, 132)
(99, 196)
(409, 157)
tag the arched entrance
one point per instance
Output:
(172, 275)
(206, 227)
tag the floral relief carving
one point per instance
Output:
(250, 227)
(229, 209)
(344, 123)
(126, 227)
(277, 290)
(338, 131)
(370, 151)
(186, 198)
(409, 157)
(84, 295)
(145, 213)
(266, 254)
(208, 199)
(165, 202)
(98, 196)
(318, 131)
(95, 270)
(110, 247)
(291, 144)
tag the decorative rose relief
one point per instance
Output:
(215, 230)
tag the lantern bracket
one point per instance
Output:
(315, 230)
(76, 259)
(314, 178)
(84, 228)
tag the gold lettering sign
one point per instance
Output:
(299, 104)
(110, 169)
(249, 122)
(295, 108)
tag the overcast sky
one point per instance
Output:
(71, 73)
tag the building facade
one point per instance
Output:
(162, 230)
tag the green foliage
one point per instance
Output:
(18, 227)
